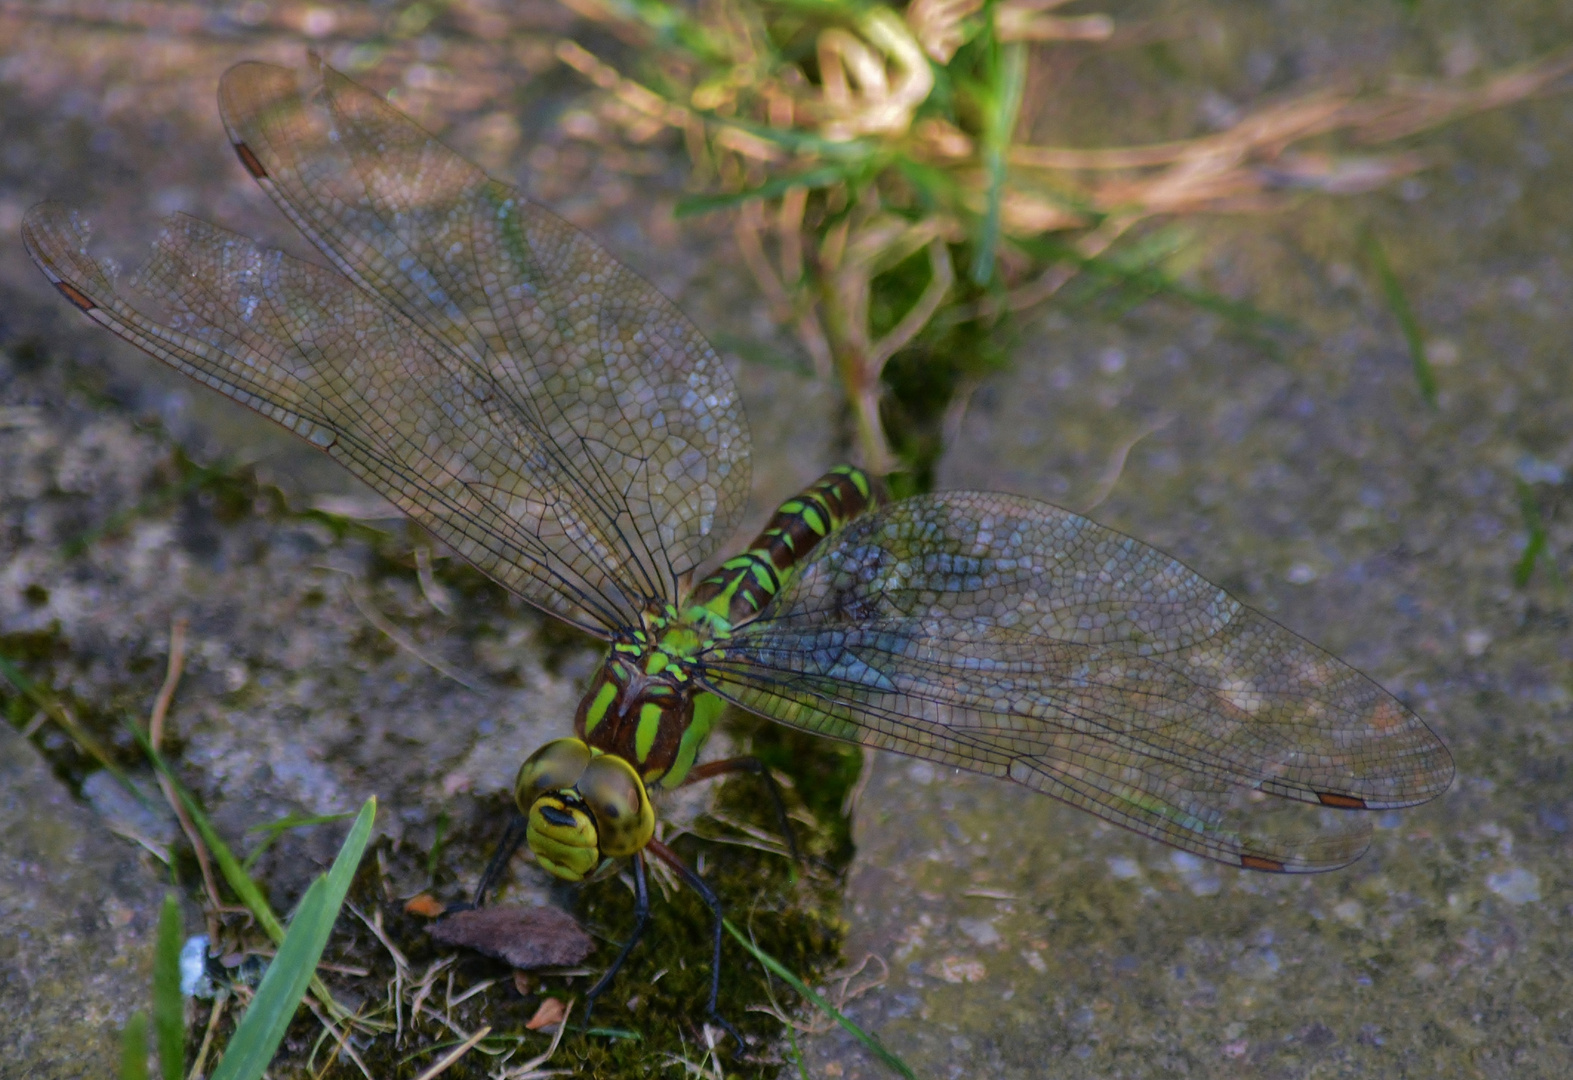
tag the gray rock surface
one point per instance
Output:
(77, 907)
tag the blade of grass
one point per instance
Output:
(235, 875)
(1004, 107)
(52, 708)
(821, 177)
(169, 1008)
(294, 968)
(240, 883)
(133, 1048)
(1535, 526)
(776, 968)
(1153, 282)
(275, 829)
(1398, 304)
(799, 141)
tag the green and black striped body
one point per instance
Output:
(647, 708)
(745, 585)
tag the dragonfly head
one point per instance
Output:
(585, 808)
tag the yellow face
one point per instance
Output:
(584, 808)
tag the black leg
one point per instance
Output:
(641, 920)
(697, 883)
(507, 847)
(757, 767)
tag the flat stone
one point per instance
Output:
(78, 910)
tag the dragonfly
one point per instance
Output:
(558, 423)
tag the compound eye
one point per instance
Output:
(616, 796)
(554, 767)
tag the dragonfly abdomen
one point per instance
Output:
(744, 584)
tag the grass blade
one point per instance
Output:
(169, 1008)
(1150, 281)
(1529, 507)
(1398, 304)
(823, 176)
(46, 700)
(272, 830)
(1001, 125)
(235, 875)
(133, 1048)
(292, 970)
(776, 968)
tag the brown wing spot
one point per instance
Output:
(249, 160)
(1343, 802)
(75, 295)
(1256, 862)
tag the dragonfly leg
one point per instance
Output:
(507, 847)
(641, 920)
(751, 765)
(697, 883)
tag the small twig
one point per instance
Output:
(395, 635)
(478, 988)
(155, 735)
(341, 1035)
(455, 1054)
(219, 1001)
(847, 992)
(1116, 466)
(400, 961)
(758, 839)
(435, 594)
(445, 1021)
(943, 275)
(166, 692)
(527, 1071)
(854, 795)
(346, 1047)
(423, 988)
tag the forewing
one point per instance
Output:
(304, 347)
(641, 418)
(1012, 638)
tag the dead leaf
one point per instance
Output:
(424, 905)
(550, 1014)
(534, 937)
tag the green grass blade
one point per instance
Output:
(823, 176)
(798, 140)
(51, 706)
(235, 875)
(292, 970)
(133, 1048)
(776, 968)
(1150, 281)
(1004, 108)
(1529, 508)
(1398, 304)
(272, 830)
(169, 1008)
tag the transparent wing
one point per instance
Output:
(481, 363)
(1012, 638)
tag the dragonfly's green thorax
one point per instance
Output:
(648, 706)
